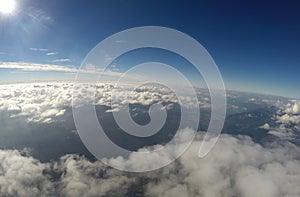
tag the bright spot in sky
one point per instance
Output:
(7, 6)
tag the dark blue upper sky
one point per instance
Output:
(256, 44)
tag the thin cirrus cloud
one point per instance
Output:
(51, 53)
(48, 53)
(39, 49)
(61, 60)
(40, 16)
(36, 67)
(27, 67)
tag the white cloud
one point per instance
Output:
(47, 51)
(36, 67)
(51, 53)
(293, 107)
(49, 100)
(43, 102)
(84, 178)
(235, 167)
(62, 60)
(23, 176)
(265, 126)
(40, 15)
(286, 120)
(39, 49)
(289, 119)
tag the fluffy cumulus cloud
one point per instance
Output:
(38, 103)
(23, 176)
(235, 167)
(84, 178)
(45, 102)
(124, 95)
(287, 120)
(290, 113)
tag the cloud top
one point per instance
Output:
(236, 167)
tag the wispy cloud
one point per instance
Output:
(61, 60)
(3, 53)
(36, 67)
(27, 66)
(51, 53)
(39, 49)
(40, 15)
(47, 51)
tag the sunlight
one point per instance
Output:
(7, 6)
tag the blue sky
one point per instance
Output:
(256, 44)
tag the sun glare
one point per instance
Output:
(7, 6)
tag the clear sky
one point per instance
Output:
(256, 44)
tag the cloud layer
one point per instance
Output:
(23, 176)
(236, 167)
(36, 67)
(42, 102)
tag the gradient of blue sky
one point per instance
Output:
(256, 44)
